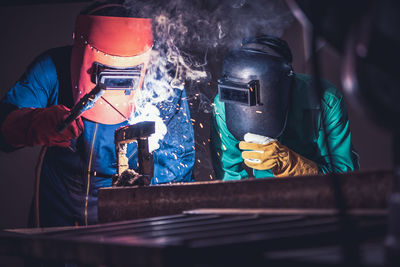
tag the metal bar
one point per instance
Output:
(362, 190)
(365, 212)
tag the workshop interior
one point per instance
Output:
(334, 218)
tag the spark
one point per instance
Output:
(258, 111)
(211, 177)
(223, 147)
(193, 120)
(204, 143)
(199, 161)
(201, 125)
(182, 146)
(219, 155)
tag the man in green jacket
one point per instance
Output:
(272, 119)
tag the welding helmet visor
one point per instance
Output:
(255, 86)
(114, 51)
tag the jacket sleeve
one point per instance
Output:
(174, 160)
(225, 153)
(37, 88)
(337, 136)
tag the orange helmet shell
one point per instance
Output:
(116, 42)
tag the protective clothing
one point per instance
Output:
(255, 85)
(70, 177)
(37, 126)
(303, 133)
(278, 158)
(111, 43)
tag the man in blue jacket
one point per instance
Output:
(81, 159)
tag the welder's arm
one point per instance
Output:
(226, 156)
(28, 116)
(174, 160)
(276, 157)
(343, 156)
(37, 126)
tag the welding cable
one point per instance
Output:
(38, 170)
(349, 245)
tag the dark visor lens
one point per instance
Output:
(122, 83)
(244, 94)
(116, 78)
(234, 94)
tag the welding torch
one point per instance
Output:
(85, 103)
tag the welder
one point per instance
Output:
(112, 46)
(272, 119)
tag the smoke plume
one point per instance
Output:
(191, 39)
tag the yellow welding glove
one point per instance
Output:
(278, 158)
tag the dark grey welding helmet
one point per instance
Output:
(255, 86)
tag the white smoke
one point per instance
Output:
(191, 38)
(186, 31)
(151, 113)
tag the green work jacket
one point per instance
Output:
(304, 133)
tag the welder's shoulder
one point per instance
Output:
(46, 65)
(331, 95)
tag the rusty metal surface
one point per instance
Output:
(362, 190)
(186, 239)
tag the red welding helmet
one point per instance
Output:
(114, 51)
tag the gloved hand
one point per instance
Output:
(276, 157)
(37, 126)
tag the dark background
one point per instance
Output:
(28, 28)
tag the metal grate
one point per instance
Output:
(192, 238)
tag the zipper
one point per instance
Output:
(88, 175)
